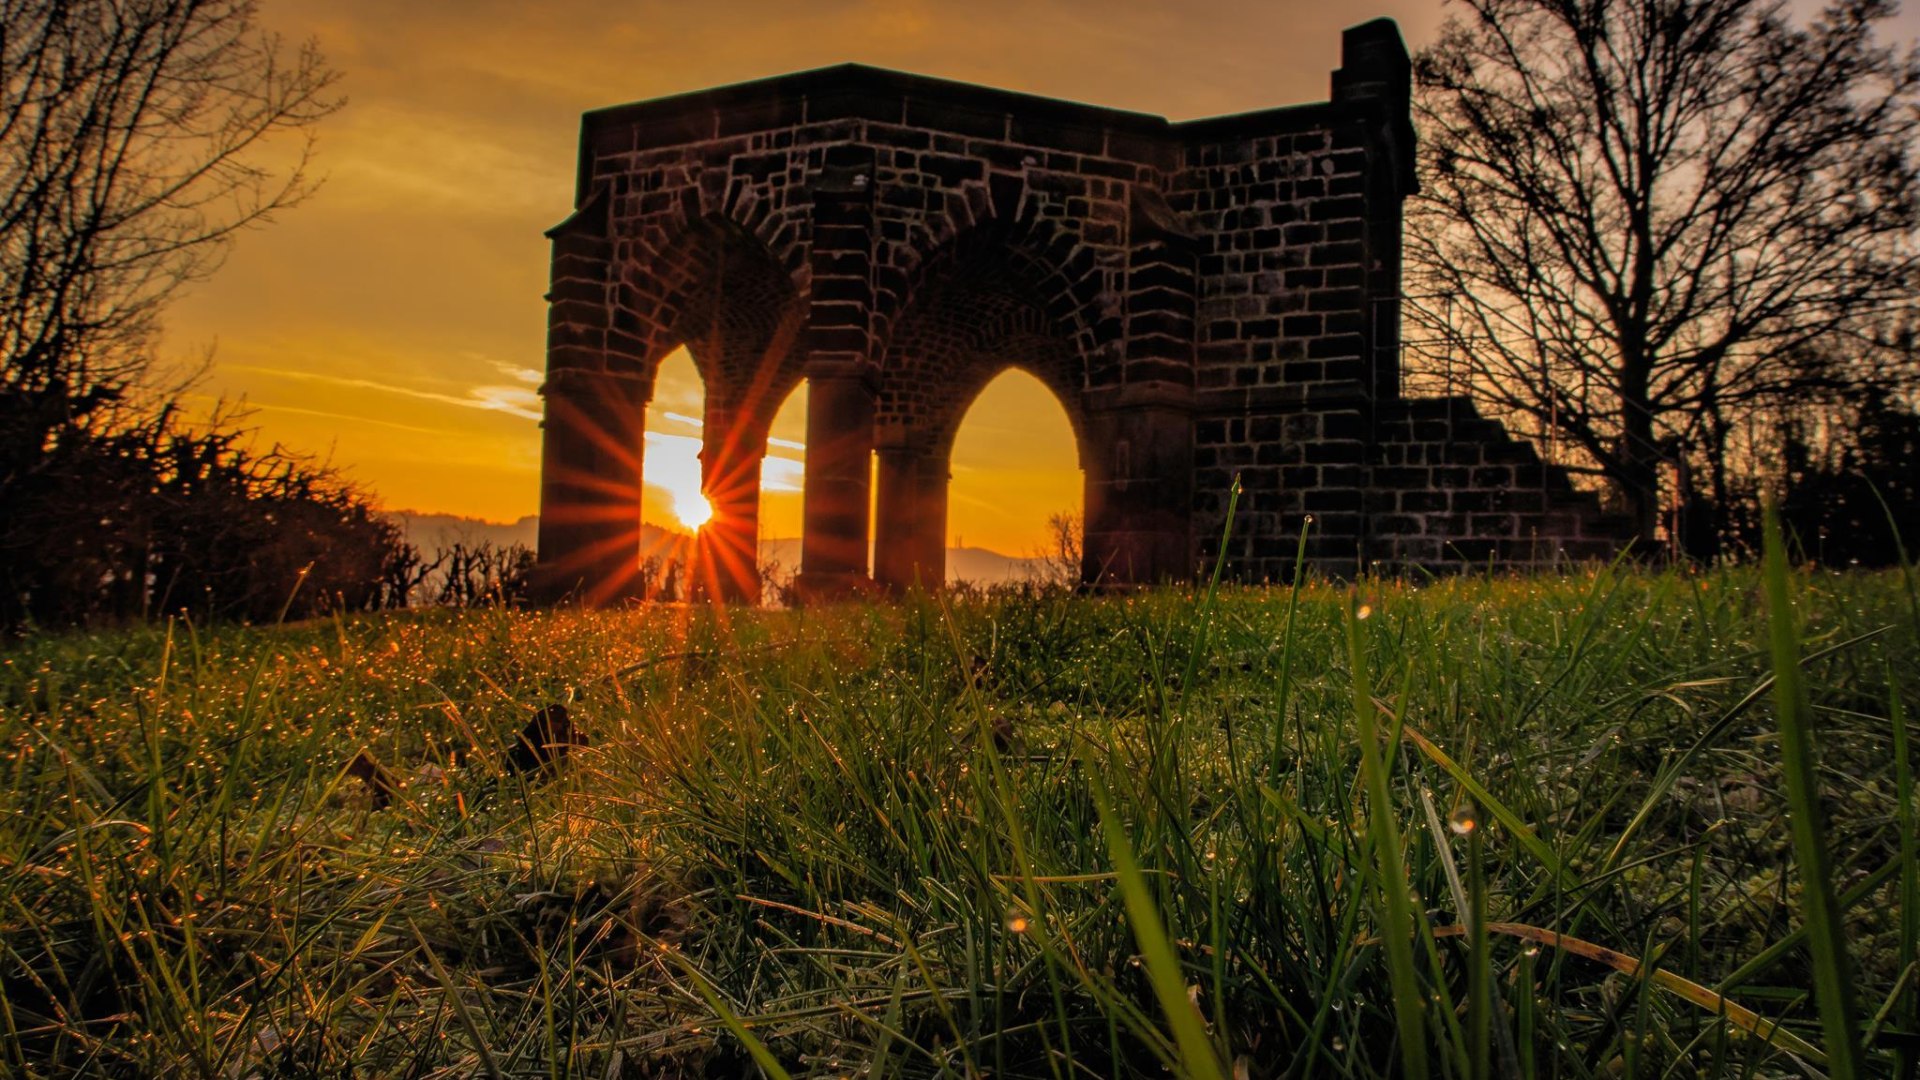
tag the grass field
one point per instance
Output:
(1532, 827)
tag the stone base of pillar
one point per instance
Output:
(834, 530)
(724, 568)
(911, 520)
(592, 461)
(1155, 552)
(1140, 493)
(549, 585)
(821, 588)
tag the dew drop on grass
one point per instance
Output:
(1462, 821)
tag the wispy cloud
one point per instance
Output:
(518, 400)
(245, 407)
(325, 415)
(781, 474)
(517, 373)
(513, 400)
(399, 155)
(696, 423)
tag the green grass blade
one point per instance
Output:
(762, 1056)
(1197, 1054)
(1826, 937)
(1509, 820)
(460, 1010)
(1909, 861)
(1408, 1004)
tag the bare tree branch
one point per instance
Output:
(1635, 211)
(138, 138)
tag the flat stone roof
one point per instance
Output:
(862, 92)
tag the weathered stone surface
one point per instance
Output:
(1208, 300)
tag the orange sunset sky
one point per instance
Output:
(395, 322)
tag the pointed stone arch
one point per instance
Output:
(1001, 295)
(718, 288)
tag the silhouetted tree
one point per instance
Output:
(1062, 558)
(473, 574)
(1635, 213)
(157, 517)
(138, 138)
(1849, 492)
(776, 582)
(134, 142)
(403, 573)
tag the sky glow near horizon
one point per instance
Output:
(394, 323)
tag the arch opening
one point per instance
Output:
(994, 324)
(731, 315)
(673, 494)
(707, 472)
(783, 476)
(673, 503)
(1018, 484)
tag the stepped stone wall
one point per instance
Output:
(1454, 490)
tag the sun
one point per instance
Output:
(692, 508)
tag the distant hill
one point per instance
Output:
(977, 565)
(984, 567)
(431, 532)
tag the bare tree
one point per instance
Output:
(1635, 215)
(136, 141)
(478, 573)
(1061, 558)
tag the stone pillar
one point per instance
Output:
(728, 552)
(833, 540)
(592, 461)
(1375, 81)
(1139, 501)
(910, 526)
(840, 375)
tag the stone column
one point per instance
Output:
(935, 475)
(1375, 83)
(1139, 502)
(910, 525)
(592, 461)
(833, 541)
(839, 339)
(728, 554)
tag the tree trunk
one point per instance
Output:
(1638, 474)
